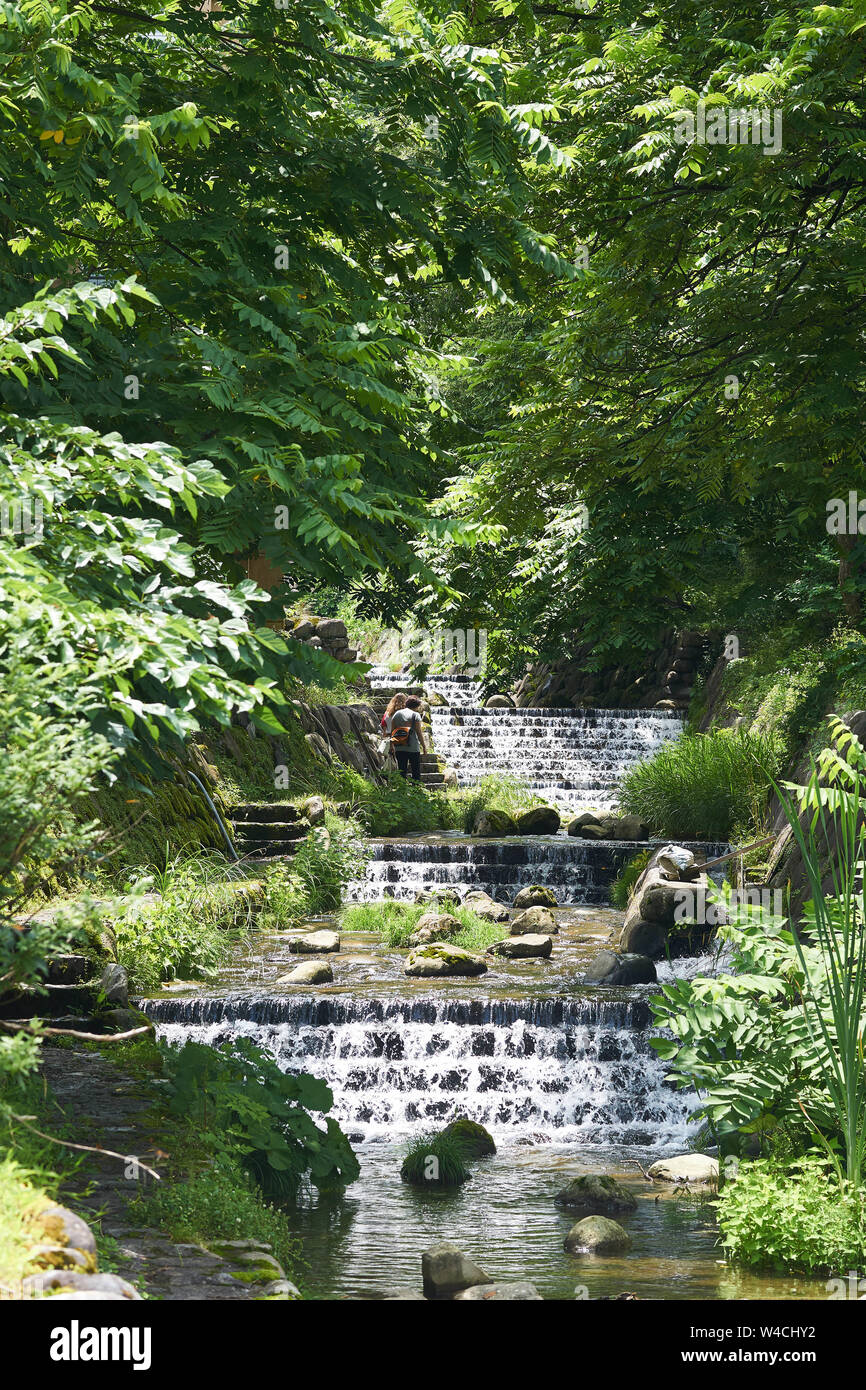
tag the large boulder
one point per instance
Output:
(596, 1235)
(309, 972)
(493, 822)
(314, 810)
(609, 968)
(446, 896)
(643, 938)
(534, 919)
(595, 1193)
(586, 827)
(486, 907)
(114, 985)
(535, 895)
(315, 942)
(446, 1271)
(474, 1139)
(668, 904)
(540, 820)
(599, 827)
(629, 828)
(699, 1170)
(434, 926)
(519, 1292)
(439, 959)
(522, 947)
(332, 630)
(499, 702)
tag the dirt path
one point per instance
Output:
(104, 1106)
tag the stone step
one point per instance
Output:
(281, 811)
(253, 848)
(271, 830)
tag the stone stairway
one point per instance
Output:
(432, 764)
(268, 831)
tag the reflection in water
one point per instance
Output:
(369, 1242)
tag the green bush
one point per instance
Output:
(326, 862)
(241, 1103)
(436, 1160)
(704, 786)
(187, 932)
(793, 1217)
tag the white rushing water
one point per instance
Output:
(572, 759)
(571, 1071)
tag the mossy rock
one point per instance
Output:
(594, 1192)
(474, 1140)
(493, 822)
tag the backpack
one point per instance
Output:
(400, 733)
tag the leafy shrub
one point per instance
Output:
(779, 1040)
(244, 1105)
(326, 863)
(185, 934)
(623, 885)
(792, 1217)
(704, 785)
(436, 1160)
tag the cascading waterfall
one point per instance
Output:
(576, 871)
(571, 758)
(574, 1070)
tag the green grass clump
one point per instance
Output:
(623, 885)
(190, 929)
(395, 922)
(221, 1202)
(435, 1161)
(704, 785)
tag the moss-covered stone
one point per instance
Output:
(474, 1140)
(595, 1192)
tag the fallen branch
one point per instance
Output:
(86, 1148)
(28, 1027)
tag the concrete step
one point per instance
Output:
(256, 849)
(271, 830)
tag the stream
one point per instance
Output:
(561, 1074)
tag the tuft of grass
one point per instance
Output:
(623, 885)
(435, 1161)
(396, 922)
(703, 785)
